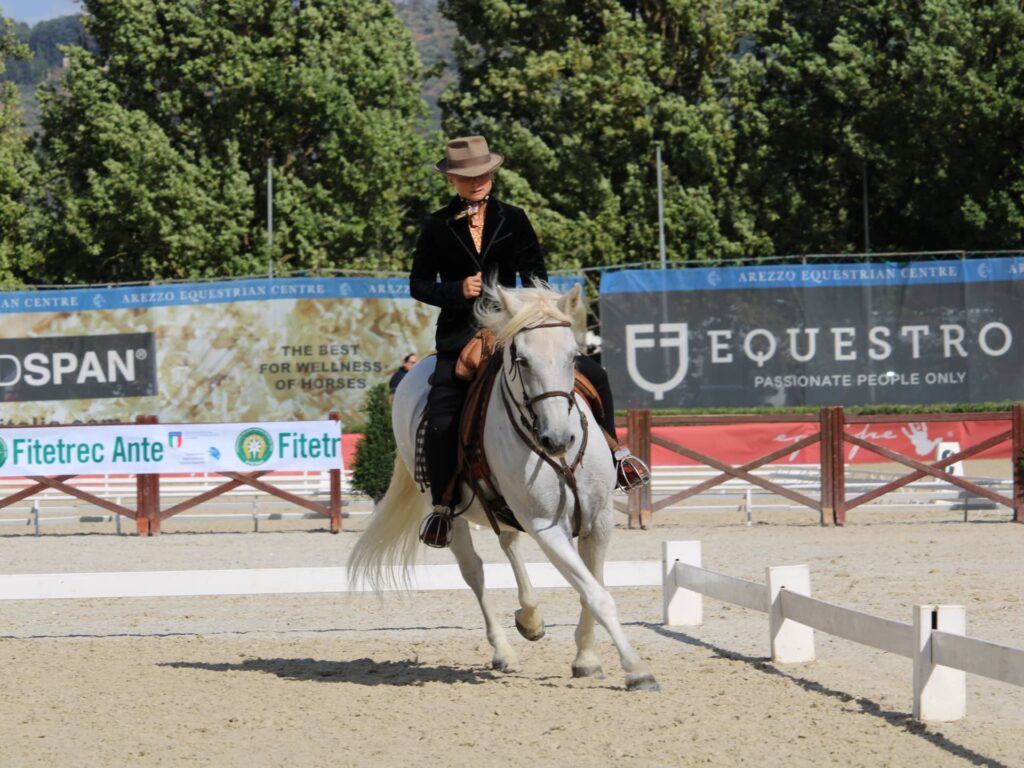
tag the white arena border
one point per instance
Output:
(935, 639)
(284, 581)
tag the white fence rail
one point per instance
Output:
(935, 639)
(281, 581)
(54, 507)
(739, 495)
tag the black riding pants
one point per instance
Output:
(599, 378)
(444, 409)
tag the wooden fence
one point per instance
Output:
(832, 504)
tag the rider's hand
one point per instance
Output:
(473, 286)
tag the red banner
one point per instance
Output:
(738, 444)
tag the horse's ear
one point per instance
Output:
(509, 301)
(568, 303)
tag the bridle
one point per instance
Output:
(527, 423)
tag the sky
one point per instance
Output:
(31, 11)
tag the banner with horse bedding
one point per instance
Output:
(823, 334)
(247, 350)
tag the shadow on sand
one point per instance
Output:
(902, 720)
(359, 671)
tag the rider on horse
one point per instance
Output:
(474, 239)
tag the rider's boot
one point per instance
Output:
(630, 471)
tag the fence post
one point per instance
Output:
(335, 475)
(790, 642)
(638, 424)
(1017, 457)
(940, 693)
(838, 465)
(826, 466)
(681, 607)
(147, 495)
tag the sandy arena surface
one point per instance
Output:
(404, 680)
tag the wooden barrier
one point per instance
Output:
(832, 504)
(934, 640)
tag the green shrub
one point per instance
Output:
(375, 453)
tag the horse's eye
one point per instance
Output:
(522, 362)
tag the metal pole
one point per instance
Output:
(661, 207)
(270, 217)
(867, 231)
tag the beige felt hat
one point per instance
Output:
(468, 156)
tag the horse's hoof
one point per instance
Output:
(531, 635)
(589, 671)
(503, 665)
(643, 682)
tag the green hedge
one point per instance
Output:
(375, 453)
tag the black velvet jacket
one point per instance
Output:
(445, 249)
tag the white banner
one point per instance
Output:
(170, 448)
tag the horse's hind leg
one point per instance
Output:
(472, 569)
(529, 622)
(596, 599)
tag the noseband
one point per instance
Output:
(528, 402)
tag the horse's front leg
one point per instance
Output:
(529, 622)
(592, 548)
(472, 569)
(558, 547)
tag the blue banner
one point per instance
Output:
(947, 331)
(813, 275)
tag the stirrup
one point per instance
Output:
(630, 472)
(436, 530)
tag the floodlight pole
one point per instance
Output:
(867, 230)
(270, 217)
(661, 206)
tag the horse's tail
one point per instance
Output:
(391, 537)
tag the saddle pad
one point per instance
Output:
(420, 470)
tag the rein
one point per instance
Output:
(532, 440)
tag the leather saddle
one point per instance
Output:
(474, 468)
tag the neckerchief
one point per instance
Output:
(470, 207)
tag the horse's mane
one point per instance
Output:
(540, 305)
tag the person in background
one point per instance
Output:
(475, 239)
(396, 378)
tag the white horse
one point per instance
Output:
(535, 388)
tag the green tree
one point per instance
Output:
(578, 92)
(156, 148)
(17, 173)
(771, 115)
(375, 454)
(924, 101)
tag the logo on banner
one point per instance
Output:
(3, 452)
(254, 446)
(670, 336)
(174, 439)
(78, 367)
